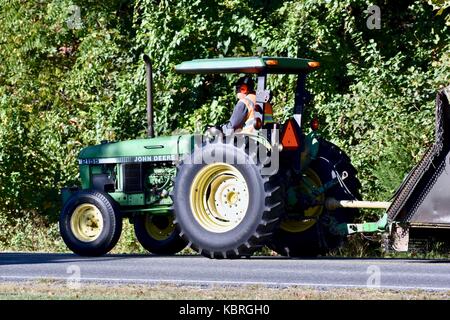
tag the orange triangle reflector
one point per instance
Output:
(290, 140)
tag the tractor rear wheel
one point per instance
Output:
(158, 234)
(225, 210)
(90, 223)
(313, 237)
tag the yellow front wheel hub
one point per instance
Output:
(86, 222)
(219, 197)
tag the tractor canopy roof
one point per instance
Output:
(248, 65)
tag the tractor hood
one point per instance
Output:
(160, 149)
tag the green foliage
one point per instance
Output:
(64, 87)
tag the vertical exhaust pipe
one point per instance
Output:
(149, 75)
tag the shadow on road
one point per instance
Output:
(12, 258)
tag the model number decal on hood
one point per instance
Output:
(137, 159)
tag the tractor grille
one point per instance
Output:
(132, 178)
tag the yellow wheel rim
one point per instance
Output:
(219, 197)
(310, 182)
(159, 227)
(86, 222)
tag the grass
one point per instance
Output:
(59, 290)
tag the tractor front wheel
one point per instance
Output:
(90, 223)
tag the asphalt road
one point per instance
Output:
(196, 270)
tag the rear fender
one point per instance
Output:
(268, 149)
(262, 139)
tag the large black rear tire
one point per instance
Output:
(225, 210)
(90, 223)
(318, 239)
(158, 234)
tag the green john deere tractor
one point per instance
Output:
(223, 195)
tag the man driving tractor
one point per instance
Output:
(247, 114)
